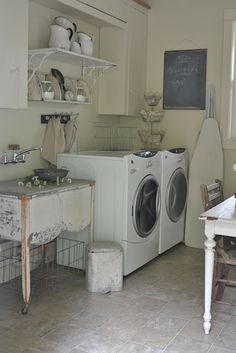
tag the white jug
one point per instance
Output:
(86, 43)
(60, 37)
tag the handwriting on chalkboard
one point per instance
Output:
(184, 79)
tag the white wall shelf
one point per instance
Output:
(60, 101)
(92, 68)
(61, 55)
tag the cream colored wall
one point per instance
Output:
(188, 24)
(23, 126)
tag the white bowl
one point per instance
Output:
(48, 95)
(64, 22)
(80, 98)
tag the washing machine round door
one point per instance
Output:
(146, 206)
(176, 195)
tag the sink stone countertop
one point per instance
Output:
(11, 189)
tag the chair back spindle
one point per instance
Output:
(212, 194)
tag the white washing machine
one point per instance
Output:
(127, 199)
(174, 188)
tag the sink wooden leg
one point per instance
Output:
(91, 212)
(25, 251)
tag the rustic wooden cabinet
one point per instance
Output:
(14, 51)
(121, 90)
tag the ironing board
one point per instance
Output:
(206, 165)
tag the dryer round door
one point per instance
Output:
(176, 195)
(146, 206)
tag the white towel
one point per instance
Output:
(72, 136)
(54, 141)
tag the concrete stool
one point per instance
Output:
(104, 269)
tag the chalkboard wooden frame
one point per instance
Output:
(184, 84)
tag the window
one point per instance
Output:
(228, 103)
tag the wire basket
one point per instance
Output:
(10, 261)
(112, 138)
(70, 253)
(47, 262)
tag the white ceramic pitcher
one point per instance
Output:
(86, 43)
(60, 37)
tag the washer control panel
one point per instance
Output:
(146, 153)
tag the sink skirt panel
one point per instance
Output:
(49, 214)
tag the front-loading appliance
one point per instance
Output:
(127, 199)
(174, 188)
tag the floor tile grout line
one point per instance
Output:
(219, 333)
(176, 335)
(210, 347)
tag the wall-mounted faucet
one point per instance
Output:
(18, 157)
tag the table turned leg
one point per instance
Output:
(209, 268)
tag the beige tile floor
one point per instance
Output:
(159, 310)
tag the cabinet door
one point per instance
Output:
(121, 89)
(114, 8)
(137, 29)
(113, 83)
(99, 5)
(14, 52)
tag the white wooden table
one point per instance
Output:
(37, 216)
(221, 220)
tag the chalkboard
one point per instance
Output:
(184, 79)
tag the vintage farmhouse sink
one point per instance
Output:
(38, 215)
(49, 210)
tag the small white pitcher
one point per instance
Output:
(86, 43)
(60, 37)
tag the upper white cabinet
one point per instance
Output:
(95, 12)
(120, 42)
(14, 53)
(115, 8)
(121, 90)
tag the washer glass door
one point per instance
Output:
(146, 206)
(176, 195)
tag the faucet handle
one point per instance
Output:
(5, 158)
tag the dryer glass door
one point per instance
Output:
(146, 206)
(176, 195)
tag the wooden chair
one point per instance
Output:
(225, 256)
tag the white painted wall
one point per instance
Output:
(188, 24)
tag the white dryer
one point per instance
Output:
(127, 199)
(173, 197)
